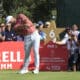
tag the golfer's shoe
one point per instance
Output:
(23, 71)
(36, 71)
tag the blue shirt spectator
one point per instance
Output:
(42, 35)
(39, 27)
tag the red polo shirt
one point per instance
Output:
(22, 19)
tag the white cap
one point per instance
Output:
(47, 23)
(8, 19)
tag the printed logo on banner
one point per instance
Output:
(53, 57)
(11, 55)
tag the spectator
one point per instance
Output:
(10, 33)
(40, 31)
(2, 32)
(73, 53)
(47, 24)
(78, 63)
(75, 30)
(9, 18)
(40, 24)
(71, 41)
(3, 27)
(66, 36)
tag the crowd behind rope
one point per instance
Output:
(7, 32)
(71, 39)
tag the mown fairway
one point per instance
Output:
(13, 75)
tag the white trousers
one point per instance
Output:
(30, 41)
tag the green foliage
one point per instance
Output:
(22, 10)
(35, 9)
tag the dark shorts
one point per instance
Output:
(73, 58)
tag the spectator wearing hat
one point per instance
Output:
(10, 19)
(42, 34)
(40, 24)
(47, 24)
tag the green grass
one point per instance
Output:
(13, 75)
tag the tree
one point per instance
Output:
(35, 9)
